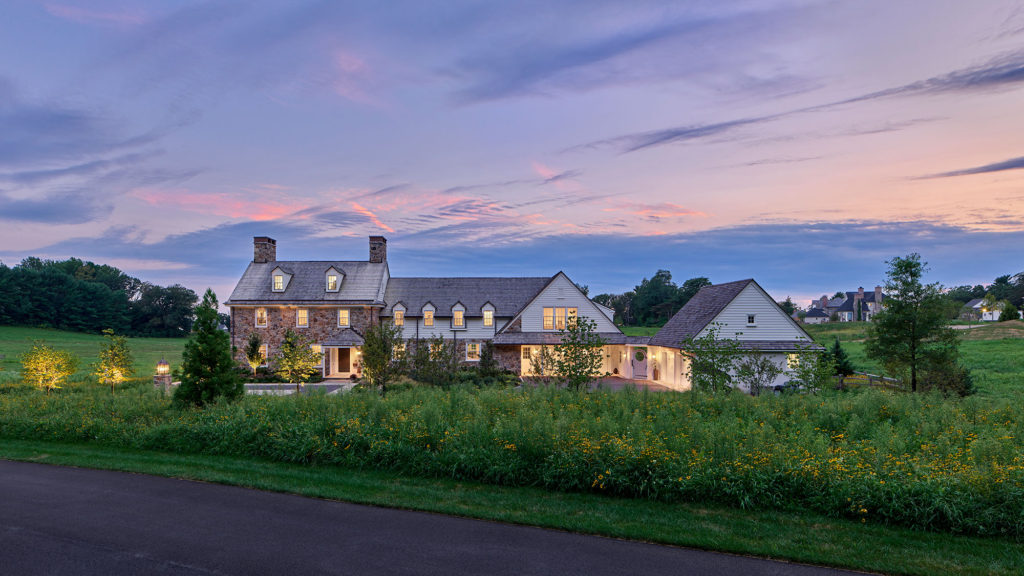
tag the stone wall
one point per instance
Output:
(323, 324)
(508, 358)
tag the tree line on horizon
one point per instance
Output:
(653, 301)
(82, 296)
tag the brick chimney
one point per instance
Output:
(378, 249)
(824, 302)
(860, 292)
(264, 249)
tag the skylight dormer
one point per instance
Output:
(332, 279)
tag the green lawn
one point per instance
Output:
(785, 535)
(15, 340)
(640, 330)
(994, 352)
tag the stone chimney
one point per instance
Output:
(378, 249)
(824, 302)
(264, 249)
(860, 292)
(878, 294)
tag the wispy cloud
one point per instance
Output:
(69, 207)
(1011, 164)
(654, 212)
(124, 18)
(372, 217)
(231, 205)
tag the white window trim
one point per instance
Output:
(297, 324)
(327, 283)
(751, 319)
(488, 318)
(314, 347)
(428, 315)
(478, 350)
(256, 318)
(544, 318)
(348, 318)
(398, 317)
(273, 283)
(264, 354)
(458, 326)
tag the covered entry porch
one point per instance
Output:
(343, 355)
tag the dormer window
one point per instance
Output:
(278, 283)
(399, 317)
(332, 280)
(488, 317)
(428, 317)
(458, 319)
(261, 317)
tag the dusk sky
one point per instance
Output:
(801, 143)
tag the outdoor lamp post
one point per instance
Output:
(162, 379)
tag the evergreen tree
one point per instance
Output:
(488, 366)
(1009, 313)
(842, 362)
(207, 369)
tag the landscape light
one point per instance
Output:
(162, 367)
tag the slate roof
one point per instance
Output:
(816, 313)
(848, 305)
(347, 337)
(552, 338)
(361, 284)
(698, 312)
(778, 345)
(507, 295)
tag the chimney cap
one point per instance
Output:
(266, 239)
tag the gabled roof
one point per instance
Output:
(975, 303)
(361, 284)
(507, 295)
(816, 313)
(705, 305)
(848, 306)
(347, 337)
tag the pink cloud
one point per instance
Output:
(373, 217)
(124, 18)
(655, 212)
(219, 204)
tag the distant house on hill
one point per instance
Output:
(857, 306)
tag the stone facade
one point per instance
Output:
(378, 249)
(323, 324)
(508, 357)
(264, 249)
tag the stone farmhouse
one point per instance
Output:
(333, 303)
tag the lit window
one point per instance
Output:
(319, 351)
(428, 317)
(793, 361)
(560, 318)
(264, 352)
(488, 317)
(332, 282)
(526, 352)
(261, 317)
(549, 318)
(472, 351)
(751, 320)
(343, 317)
(398, 350)
(571, 314)
(399, 317)
(278, 282)
(458, 321)
(302, 318)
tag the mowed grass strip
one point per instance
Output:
(793, 536)
(16, 340)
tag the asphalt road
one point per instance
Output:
(57, 520)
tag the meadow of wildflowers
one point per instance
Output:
(921, 461)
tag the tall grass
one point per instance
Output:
(913, 460)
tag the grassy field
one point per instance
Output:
(994, 352)
(640, 330)
(15, 340)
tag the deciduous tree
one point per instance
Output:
(253, 351)
(296, 360)
(712, 360)
(116, 364)
(47, 368)
(381, 364)
(579, 356)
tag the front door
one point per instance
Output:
(343, 364)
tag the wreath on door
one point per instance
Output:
(640, 355)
